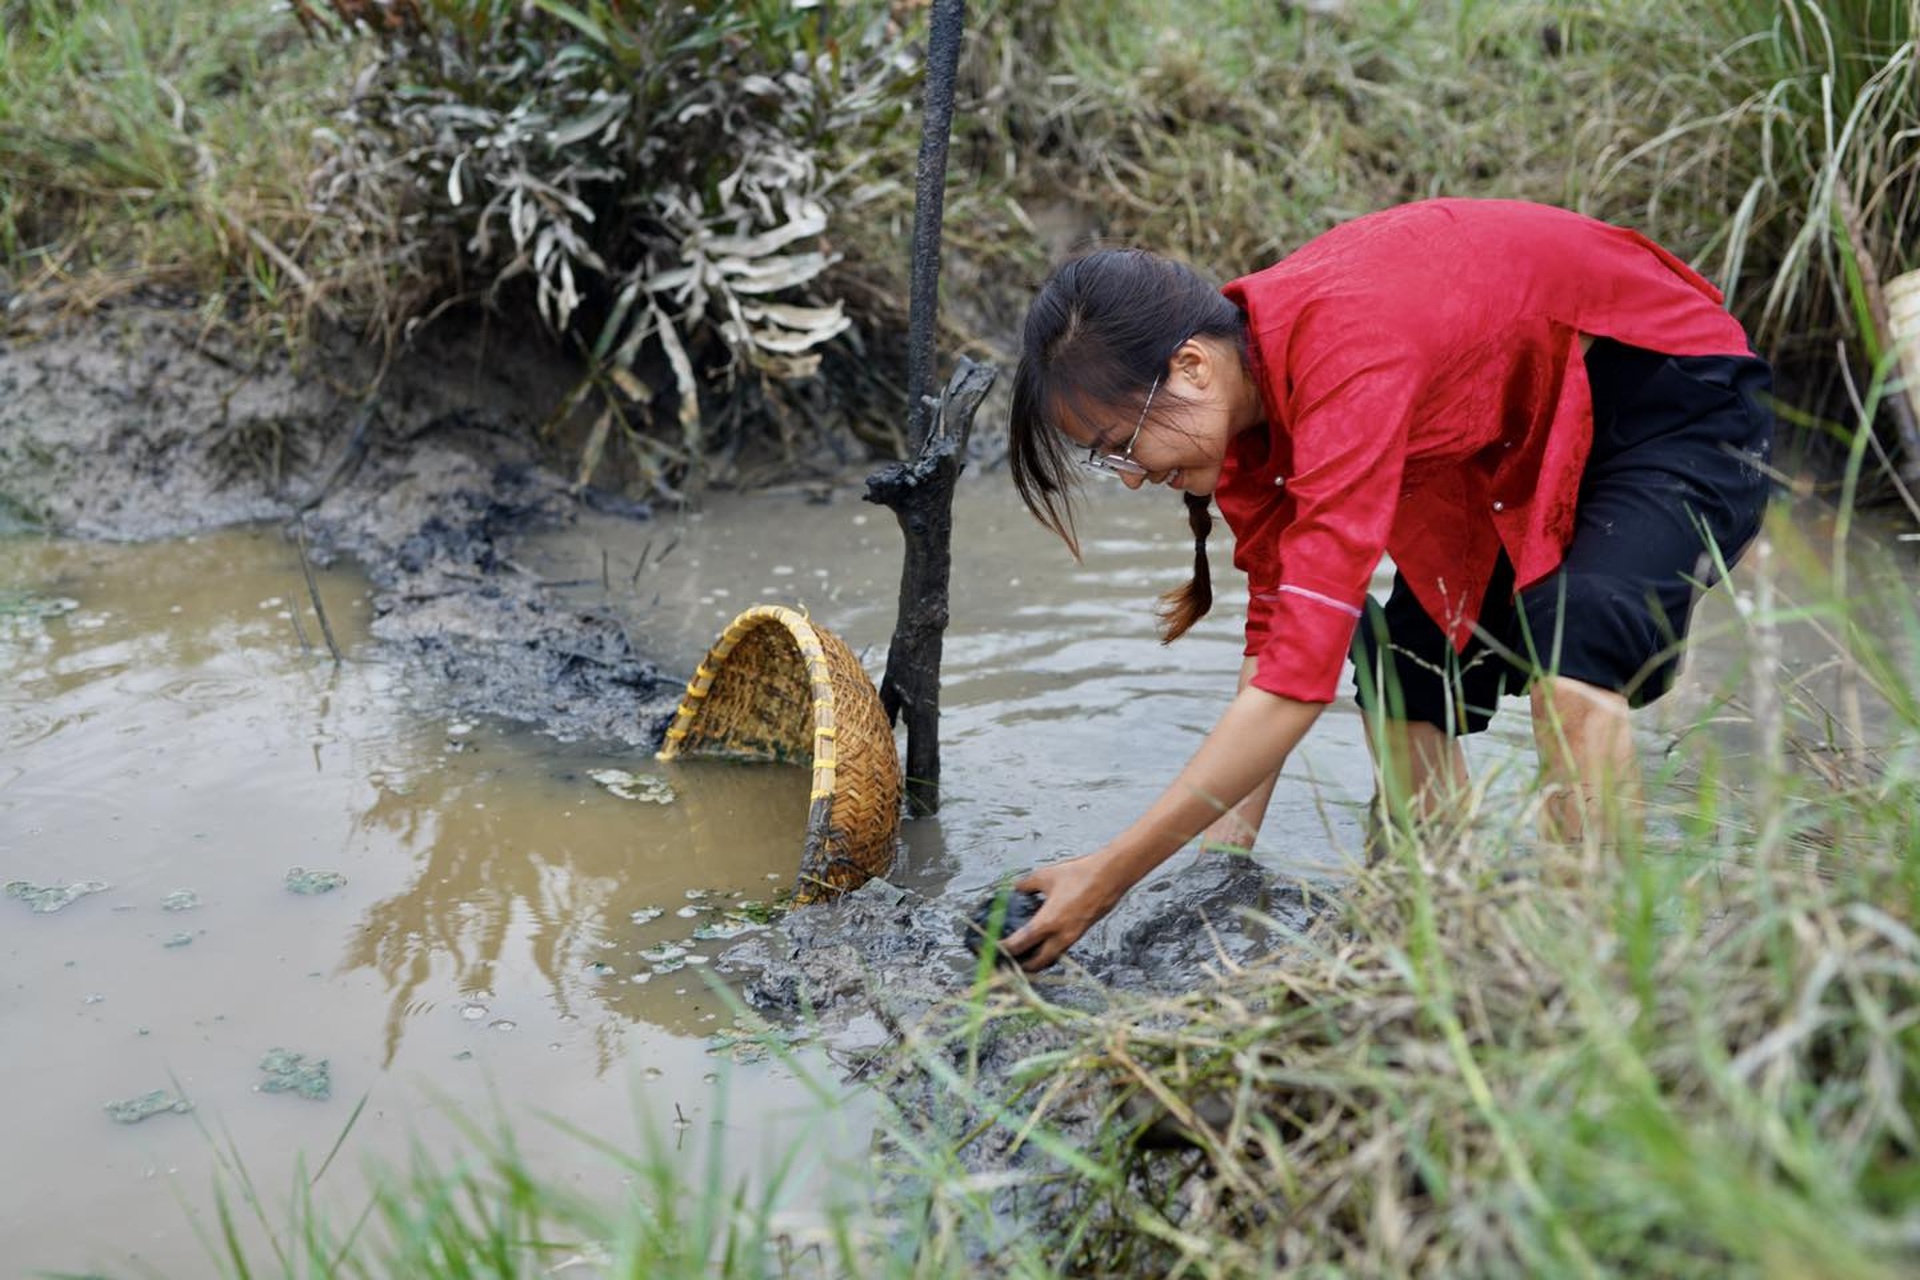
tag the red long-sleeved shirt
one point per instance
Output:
(1426, 397)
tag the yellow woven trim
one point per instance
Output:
(813, 653)
(821, 795)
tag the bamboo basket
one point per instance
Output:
(777, 687)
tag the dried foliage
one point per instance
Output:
(658, 183)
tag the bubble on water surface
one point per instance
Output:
(134, 1110)
(48, 898)
(647, 915)
(731, 926)
(180, 900)
(473, 1012)
(647, 787)
(290, 1072)
(302, 881)
(178, 940)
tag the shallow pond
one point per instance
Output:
(170, 721)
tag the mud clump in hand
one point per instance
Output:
(1021, 908)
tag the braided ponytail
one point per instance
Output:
(1183, 606)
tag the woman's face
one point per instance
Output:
(1202, 401)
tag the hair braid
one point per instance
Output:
(1185, 605)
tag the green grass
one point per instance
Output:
(164, 143)
(1770, 143)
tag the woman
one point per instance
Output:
(1549, 423)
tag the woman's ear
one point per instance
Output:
(1192, 363)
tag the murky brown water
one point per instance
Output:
(164, 730)
(167, 730)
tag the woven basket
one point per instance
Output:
(777, 687)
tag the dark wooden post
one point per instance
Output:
(920, 489)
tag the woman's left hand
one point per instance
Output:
(1078, 893)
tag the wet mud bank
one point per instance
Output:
(896, 953)
(137, 424)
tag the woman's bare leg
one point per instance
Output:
(1585, 740)
(1420, 773)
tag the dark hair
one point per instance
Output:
(1101, 329)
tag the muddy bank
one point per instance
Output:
(900, 952)
(137, 424)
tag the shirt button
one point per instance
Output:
(1499, 506)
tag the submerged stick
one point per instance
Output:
(920, 489)
(920, 493)
(313, 588)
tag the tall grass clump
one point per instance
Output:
(1228, 133)
(161, 142)
(659, 185)
(1777, 142)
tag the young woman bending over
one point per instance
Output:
(1550, 424)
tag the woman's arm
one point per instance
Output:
(1246, 749)
(1239, 827)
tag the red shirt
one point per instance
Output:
(1426, 397)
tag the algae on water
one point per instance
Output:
(45, 898)
(134, 1110)
(301, 880)
(290, 1072)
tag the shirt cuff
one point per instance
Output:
(1308, 638)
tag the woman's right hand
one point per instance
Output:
(1078, 893)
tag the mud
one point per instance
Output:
(896, 954)
(140, 423)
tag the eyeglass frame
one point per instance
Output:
(1122, 463)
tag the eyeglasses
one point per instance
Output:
(1122, 463)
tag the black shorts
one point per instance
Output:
(1680, 452)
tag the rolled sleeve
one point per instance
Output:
(1354, 383)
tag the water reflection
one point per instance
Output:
(529, 863)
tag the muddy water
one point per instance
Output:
(165, 726)
(164, 729)
(1062, 714)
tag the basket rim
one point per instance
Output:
(813, 653)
